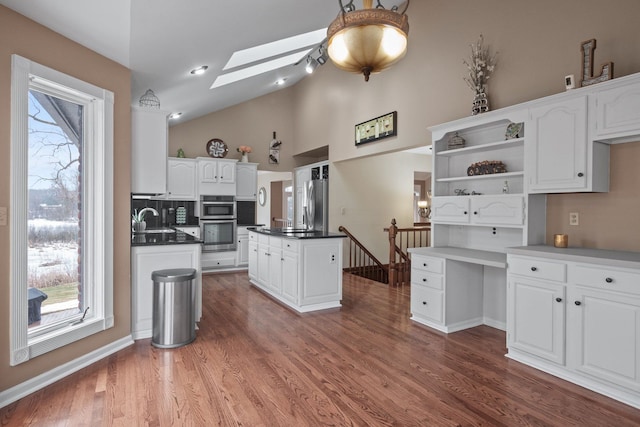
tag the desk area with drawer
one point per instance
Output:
(575, 313)
(457, 288)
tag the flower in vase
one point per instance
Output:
(244, 149)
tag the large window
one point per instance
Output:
(61, 199)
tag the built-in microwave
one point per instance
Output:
(217, 207)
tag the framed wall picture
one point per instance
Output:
(378, 128)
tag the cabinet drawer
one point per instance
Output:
(537, 268)
(606, 278)
(427, 303)
(290, 245)
(420, 277)
(432, 265)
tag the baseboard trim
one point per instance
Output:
(41, 381)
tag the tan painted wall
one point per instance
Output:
(30, 40)
(538, 43)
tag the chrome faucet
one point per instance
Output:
(153, 211)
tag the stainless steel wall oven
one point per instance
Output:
(218, 223)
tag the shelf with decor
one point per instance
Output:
(516, 142)
(481, 177)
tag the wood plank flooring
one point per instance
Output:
(257, 363)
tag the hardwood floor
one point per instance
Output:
(256, 363)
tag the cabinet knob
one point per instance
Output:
(534, 268)
(465, 212)
(577, 303)
(475, 213)
(424, 303)
(608, 280)
(424, 264)
(580, 174)
(558, 299)
(424, 279)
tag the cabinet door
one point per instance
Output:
(450, 209)
(536, 318)
(604, 335)
(290, 276)
(149, 151)
(618, 112)
(246, 180)
(275, 269)
(253, 260)
(243, 250)
(181, 182)
(226, 172)
(508, 210)
(557, 156)
(208, 171)
(263, 264)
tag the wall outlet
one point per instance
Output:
(494, 232)
(3, 216)
(332, 258)
(574, 218)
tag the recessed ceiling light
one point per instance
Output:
(199, 70)
(175, 115)
(280, 82)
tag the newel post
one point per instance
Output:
(393, 272)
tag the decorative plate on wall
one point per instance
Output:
(217, 148)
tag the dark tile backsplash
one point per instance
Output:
(156, 221)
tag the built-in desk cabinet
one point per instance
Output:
(615, 110)
(572, 314)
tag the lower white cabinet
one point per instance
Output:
(243, 247)
(572, 314)
(144, 261)
(446, 294)
(304, 274)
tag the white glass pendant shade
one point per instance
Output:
(367, 41)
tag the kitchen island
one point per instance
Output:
(151, 251)
(301, 269)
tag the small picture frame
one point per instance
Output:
(569, 82)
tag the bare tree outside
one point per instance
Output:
(55, 146)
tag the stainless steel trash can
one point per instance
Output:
(173, 307)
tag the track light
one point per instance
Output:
(322, 59)
(312, 64)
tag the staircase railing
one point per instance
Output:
(362, 262)
(401, 239)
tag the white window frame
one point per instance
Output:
(97, 188)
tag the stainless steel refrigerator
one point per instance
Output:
(316, 209)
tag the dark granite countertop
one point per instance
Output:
(150, 239)
(296, 233)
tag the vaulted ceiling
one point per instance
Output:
(161, 41)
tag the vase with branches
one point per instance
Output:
(480, 65)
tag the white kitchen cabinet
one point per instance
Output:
(243, 247)
(446, 294)
(246, 181)
(181, 179)
(575, 313)
(497, 210)
(304, 274)
(253, 256)
(144, 261)
(216, 177)
(617, 110)
(560, 157)
(149, 145)
(536, 307)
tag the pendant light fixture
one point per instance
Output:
(368, 40)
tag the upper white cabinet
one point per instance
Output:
(246, 181)
(616, 109)
(560, 157)
(181, 179)
(216, 177)
(148, 151)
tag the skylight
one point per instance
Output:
(278, 47)
(294, 49)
